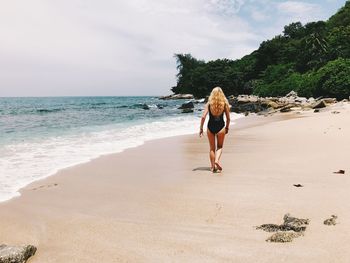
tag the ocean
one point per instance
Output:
(40, 136)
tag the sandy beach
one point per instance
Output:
(160, 203)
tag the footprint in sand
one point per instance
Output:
(218, 208)
(45, 186)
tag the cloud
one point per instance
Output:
(300, 11)
(82, 47)
(114, 47)
(258, 15)
(225, 7)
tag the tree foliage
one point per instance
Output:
(304, 58)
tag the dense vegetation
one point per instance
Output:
(312, 59)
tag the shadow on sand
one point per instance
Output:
(201, 169)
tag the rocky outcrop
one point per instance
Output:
(177, 97)
(16, 254)
(290, 102)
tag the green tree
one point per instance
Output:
(341, 18)
(333, 79)
(338, 40)
(304, 58)
(294, 30)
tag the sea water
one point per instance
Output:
(39, 136)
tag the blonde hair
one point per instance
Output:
(217, 101)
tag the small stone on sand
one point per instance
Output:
(283, 237)
(298, 185)
(292, 227)
(331, 221)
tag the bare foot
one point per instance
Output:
(218, 166)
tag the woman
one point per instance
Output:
(216, 107)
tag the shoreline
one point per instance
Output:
(98, 155)
(241, 123)
(159, 202)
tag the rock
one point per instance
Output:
(301, 100)
(330, 100)
(270, 104)
(269, 227)
(16, 254)
(316, 110)
(291, 102)
(298, 185)
(286, 108)
(290, 224)
(319, 105)
(245, 103)
(293, 221)
(283, 237)
(311, 100)
(331, 221)
(188, 105)
(177, 97)
(145, 107)
(292, 94)
(339, 172)
(159, 106)
(247, 107)
(291, 228)
(187, 110)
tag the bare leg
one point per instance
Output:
(211, 138)
(220, 138)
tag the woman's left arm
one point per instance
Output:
(228, 119)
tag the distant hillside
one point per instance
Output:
(312, 59)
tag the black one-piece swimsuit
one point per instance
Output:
(216, 123)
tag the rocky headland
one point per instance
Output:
(247, 104)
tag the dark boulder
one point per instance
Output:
(319, 105)
(188, 105)
(187, 110)
(145, 107)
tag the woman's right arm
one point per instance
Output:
(204, 115)
(228, 119)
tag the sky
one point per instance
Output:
(127, 47)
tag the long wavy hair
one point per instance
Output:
(217, 101)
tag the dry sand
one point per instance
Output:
(160, 203)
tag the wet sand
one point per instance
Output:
(160, 203)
